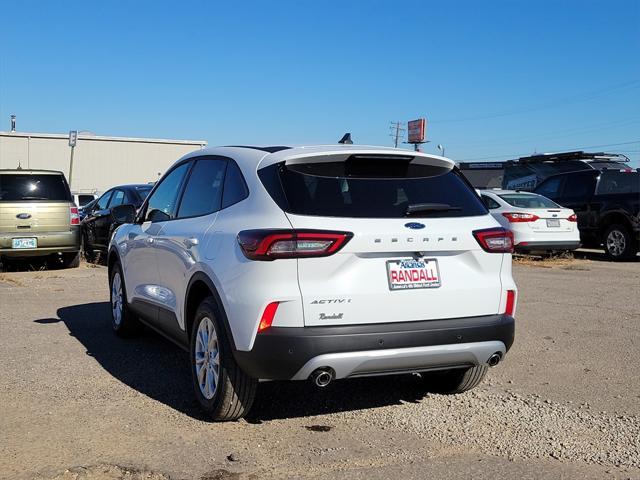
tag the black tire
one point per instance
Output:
(71, 260)
(129, 325)
(455, 381)
(235, 391)
(619, 243)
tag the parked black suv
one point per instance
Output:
(607, 204)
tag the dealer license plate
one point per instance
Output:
(409, 273)
(24, 243)
(553, 222)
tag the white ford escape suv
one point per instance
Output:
(319, 263)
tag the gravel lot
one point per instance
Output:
(78, 403)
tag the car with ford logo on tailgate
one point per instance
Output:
(538, 223)
(38, 217)
(315, 263)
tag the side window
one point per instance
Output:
(235, 188)
(104, 201)
(578, 186)
(550, 188)
(117, 199)
(162, 203)
(203, 192)
(489, 202)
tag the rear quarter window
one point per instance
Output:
(619, 182)
(34, 187)
(379, 192)
(489, 202)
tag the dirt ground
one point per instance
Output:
(78, 403)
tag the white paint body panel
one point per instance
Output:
(470, 277)
(159, 259)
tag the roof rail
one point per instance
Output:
(569, 156)
(272, 149)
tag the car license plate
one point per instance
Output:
(24, 243)
(409, 273)
(553, 222)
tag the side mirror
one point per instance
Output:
(123, 214)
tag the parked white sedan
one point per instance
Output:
(537, 223)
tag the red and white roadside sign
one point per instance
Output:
(416, 130)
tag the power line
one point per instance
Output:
(585, 96)
(558, 134)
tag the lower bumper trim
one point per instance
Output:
(561, 245)
(281, 353)
(416, 359)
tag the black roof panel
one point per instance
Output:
(272, 149)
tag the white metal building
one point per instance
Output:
(99, 162)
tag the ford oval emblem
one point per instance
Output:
(414, 225)
(23, 216)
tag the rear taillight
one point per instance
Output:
(572, 218)
(273, 244)
(495, 240)
(511, 302)
(267, 316)
(520, 217)
(75, 218)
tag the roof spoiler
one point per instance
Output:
(356, 153)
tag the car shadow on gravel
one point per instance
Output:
(160, 370)
(147, 363)
(281, 400)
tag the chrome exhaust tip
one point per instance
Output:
(322, 377)
(494, 359)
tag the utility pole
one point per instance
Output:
(73, 138)
(397, 132)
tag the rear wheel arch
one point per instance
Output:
(613, 218)
(200, 287)
(112, 259)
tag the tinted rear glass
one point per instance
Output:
(619, 182)
(308, 191)
(84, 199)
(26, 187)
(523, 200)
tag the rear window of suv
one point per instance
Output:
(33, 187)
(379, 190)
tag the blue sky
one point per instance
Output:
(495, 79)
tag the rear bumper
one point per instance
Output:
(48, 243)
(283, 353)
(550, 245)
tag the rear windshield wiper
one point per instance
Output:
(34, 198)
(429, 208)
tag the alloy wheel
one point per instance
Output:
(616, 243)
(207, 358)
(116, 298)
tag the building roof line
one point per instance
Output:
(99, 138)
